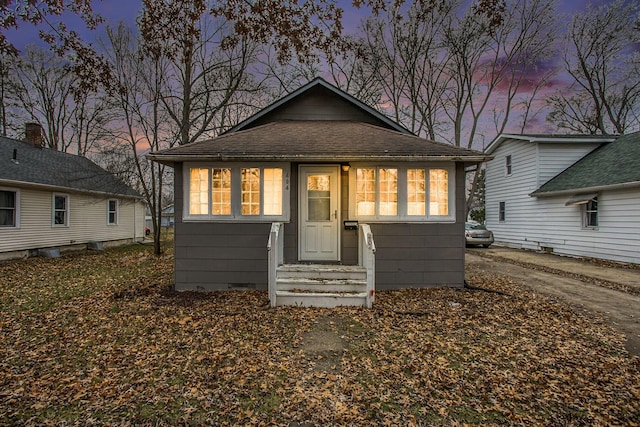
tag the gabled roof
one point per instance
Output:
(613, 165)
(549, 139)
(313, 84)
(317, 140)
(42, 167)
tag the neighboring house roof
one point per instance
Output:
(317, 83)
(44, 167)
(317, 140)
(548, 139)
(613, 165)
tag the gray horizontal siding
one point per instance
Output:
(214, 256)
(418, 255)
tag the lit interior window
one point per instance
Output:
(199, 191)
(221, 191)
(388, 192)
(438, 192)
(273, 191)
(250, 191)
(319, 197)
(416, 194)
(366, 191)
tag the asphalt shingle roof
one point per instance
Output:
(316, 140)
(614, 163)
(54, 168)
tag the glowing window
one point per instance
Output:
(250, 194)
(365, 191)
(388, 192)
(438, 192)
(199, 191)
(220, 191)
(272, 191)
(416, 192)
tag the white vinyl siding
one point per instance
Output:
(87, 213)
(545, 222)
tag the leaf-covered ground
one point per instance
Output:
(98, 338)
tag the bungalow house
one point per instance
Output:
(320, 199)
(572, 195)
(52, 201)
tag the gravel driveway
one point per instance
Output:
(606, 288)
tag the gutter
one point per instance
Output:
(593, 189)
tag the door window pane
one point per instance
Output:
(319, 197)
(416, 192)
(366, 191)
(272, 191)
(438, 192)
(199, 191)
(220, 191)
(250, 191)
(388, 192)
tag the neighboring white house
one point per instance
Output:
(571, 195)
(50, 199)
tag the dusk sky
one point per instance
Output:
(114, 11)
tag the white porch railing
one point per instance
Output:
(275, 247)
(367, 259)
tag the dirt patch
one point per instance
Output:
(619, 306)
(323, 346)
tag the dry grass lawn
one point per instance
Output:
(98, 338)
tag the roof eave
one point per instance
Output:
(594, 189)
(172, 159)
(493, 146)
(37, 185)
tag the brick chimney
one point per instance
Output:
(33, 134)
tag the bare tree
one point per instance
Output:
(602, 58)
(143, 126)
(8, 102)
(43, 89)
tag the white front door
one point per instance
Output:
(318, 223)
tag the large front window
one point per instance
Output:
(241, 192)
(401, 193)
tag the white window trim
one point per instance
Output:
(117, 212)
(402, 193)
(67, 210)
(585, 214)
(17, 209)
(236, 188)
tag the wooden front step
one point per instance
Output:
(321, 285)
